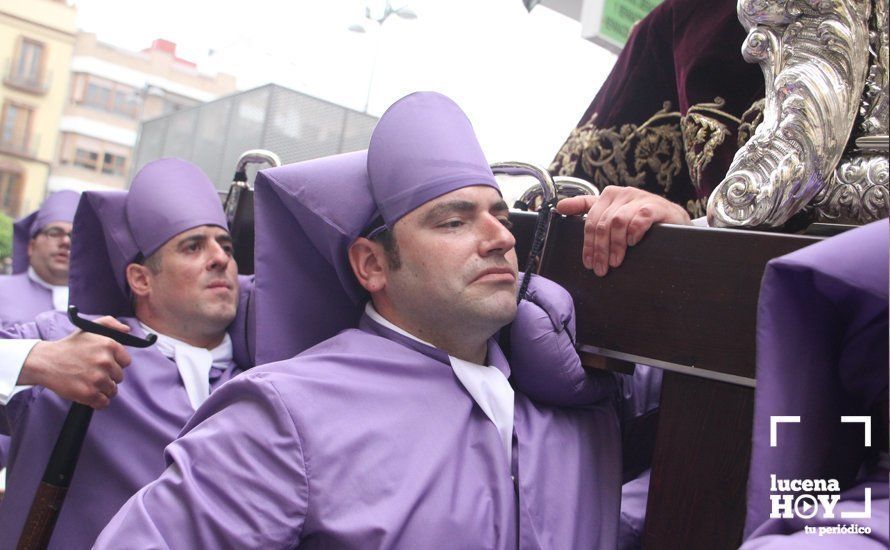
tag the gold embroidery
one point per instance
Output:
(697, 207)
(603, 152)
(625, 155)
(702, 135)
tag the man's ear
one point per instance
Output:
(368, 260)
(139, 279)
(30, 248)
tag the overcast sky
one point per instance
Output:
(523, 78)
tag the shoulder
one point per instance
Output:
(19, 282)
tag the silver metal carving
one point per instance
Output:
(859, 191)
(874, 108)
(814, 56)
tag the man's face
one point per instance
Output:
(49, 250)
(196, 286)
(458, 263)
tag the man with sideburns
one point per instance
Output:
(159, 258)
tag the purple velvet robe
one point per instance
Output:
(21, 299)
(368, 440)
(122, 452)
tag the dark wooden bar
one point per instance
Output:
(684, 299)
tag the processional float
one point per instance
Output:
(820, 153)
(820, 150)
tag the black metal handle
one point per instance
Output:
(120, 337)
(53, 488)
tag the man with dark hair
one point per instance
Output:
(160, 258)
(406, 431)
(40, 250)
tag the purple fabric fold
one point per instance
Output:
(821, 354)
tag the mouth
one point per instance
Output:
(499, 275)
(219, 285)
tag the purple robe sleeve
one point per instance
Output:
(543, 363)
(207, 498)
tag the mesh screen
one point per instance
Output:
(295, 126)
(210, 138)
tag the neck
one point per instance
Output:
(189, 334)
(49, 278)
(464, 344)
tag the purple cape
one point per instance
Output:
(822, 354)
(368, 440)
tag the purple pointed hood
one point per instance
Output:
(115, 228)
(309, 213)
(422, 148)
(58, 207)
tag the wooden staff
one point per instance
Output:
(53, 488)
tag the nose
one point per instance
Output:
(496, 239)
(219, 258)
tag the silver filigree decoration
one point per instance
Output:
(859, 193)
(874, 108)
(814, 56)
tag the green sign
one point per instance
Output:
(609, 22)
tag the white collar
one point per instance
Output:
(487, 385)
(194, 363)
(59, 292)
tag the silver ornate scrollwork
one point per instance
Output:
(875, 101)
(814, 57)
(859, 192)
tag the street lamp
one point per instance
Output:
(373, 12)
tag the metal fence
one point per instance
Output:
(293, 125)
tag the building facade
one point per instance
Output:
(111, 91)
(37, 40)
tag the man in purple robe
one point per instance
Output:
(159, 258)
(405, 432)
(41, 245)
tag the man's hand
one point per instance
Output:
(617, 219)
(82, 367)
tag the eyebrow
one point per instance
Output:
(222, 237)
(460, 206)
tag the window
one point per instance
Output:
(29, 63)
(86, 159)
(108, 96)
(113, 164)
(10, 191)
(15, 126)
(97, 96)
